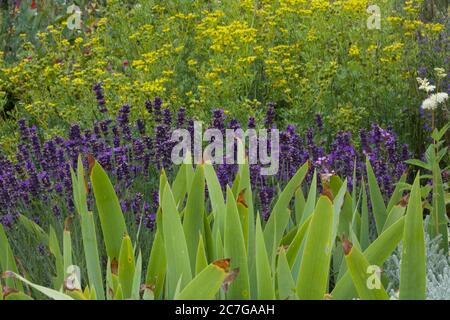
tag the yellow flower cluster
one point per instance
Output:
(412, 7)
(226, 38)
(320, 5)
(392, 53)
(294, 7)
(231, 54)
(356, 6)
(155, 87)
(354, 51)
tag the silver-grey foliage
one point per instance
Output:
(438, 271)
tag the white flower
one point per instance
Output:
(440, 73)
(429, 104)
(433, 101)
(441, 97)
(425, 85)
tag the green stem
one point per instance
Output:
(432, 121)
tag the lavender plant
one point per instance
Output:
(39, 174)
(228, 254)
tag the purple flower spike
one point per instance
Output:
(181, 117)
(101, 103)
(270, 115)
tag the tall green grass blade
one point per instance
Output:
(376, 254)
(7, 261)
(343, 216)
(397, 194)
(162, 185)
(208, 238)
(294, 248)
(33, 228)
(438, 220)
(265, 283)
(289, 236)
(127, 267)
(356, 219)
(177, 288)
(396, 213)
(201, 262)
(344, 229)
(358, 267)
(88, 232)
(378, 206)
(413, 263)
(299, 205)
(93, 294)
(207, 283)
(219, 248)
(90, 245)
(312, 280)
(234, 246)
(137, 278)
(156, 269)
(54, 247)
(354, 240)
(180, 185)
(339, 190)
(189, 175)
(177, 254)
(193, 216)
(246, 186)
(235, 185)
(217, 202)
(111, 217)
(118, 293)
(67, 247)
(354, 187)
(285, 282)
(79, 186)
(310, 199)
(109, 281)
(243, 216)
(364, 232)
(274, 233)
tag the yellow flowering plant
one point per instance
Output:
(306, 56)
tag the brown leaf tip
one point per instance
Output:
(91, 163)
(241, 199)
(404, 201)
(114, 266)
(328, 193)
(150, 287)
(68, 222)
(230, 278)
(309, 164)
(282, 248)
(223, 264)
(346, 245)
